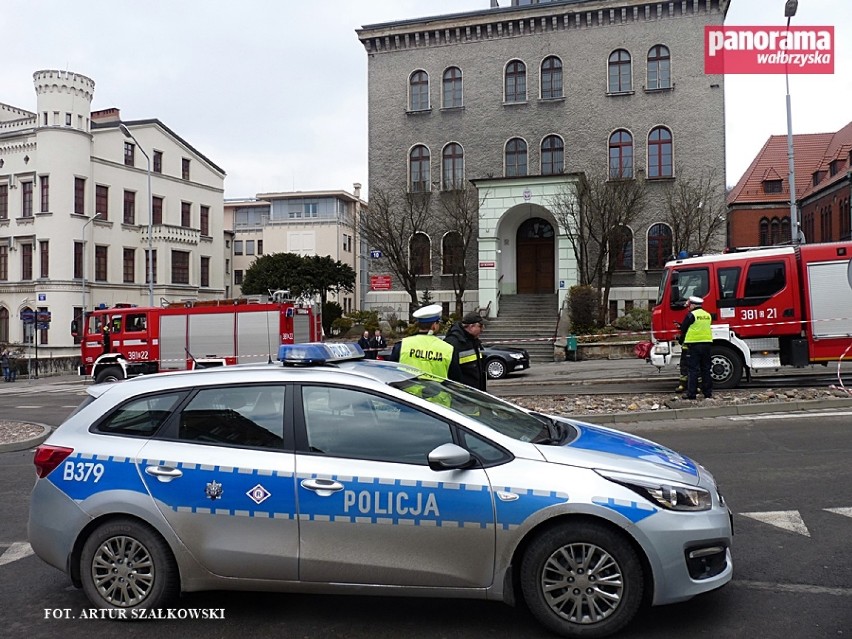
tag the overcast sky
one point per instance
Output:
(274, 91)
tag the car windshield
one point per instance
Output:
(507, 419)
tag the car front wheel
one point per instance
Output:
(109, 374)
(125, 564)
(496, 368)
(582, 580)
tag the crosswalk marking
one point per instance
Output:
(786, 519)
(17, 550)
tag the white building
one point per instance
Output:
(323, 223)
(74, 213)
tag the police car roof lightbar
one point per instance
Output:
(318, 353)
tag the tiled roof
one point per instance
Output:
(811, 152)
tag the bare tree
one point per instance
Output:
(394, 216)
(695, 209)
(593, 213)
(458, 217)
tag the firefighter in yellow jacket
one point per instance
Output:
(697, 336)
(425, 351)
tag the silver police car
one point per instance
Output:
(328, 474)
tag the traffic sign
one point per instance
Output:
(28, 317)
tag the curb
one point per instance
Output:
(24, 444)
(713, 411)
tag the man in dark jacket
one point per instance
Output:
(463, 336)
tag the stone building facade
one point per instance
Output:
(519, 101)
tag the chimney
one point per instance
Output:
(356, 189)
(106, 115)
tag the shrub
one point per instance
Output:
(636, 320)
(341, 326)
(584, 301)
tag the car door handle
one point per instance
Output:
(163, 473)
(322, 487)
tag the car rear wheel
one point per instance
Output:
(582, 580)
(126, 564)
(109, 374)
(496, 368)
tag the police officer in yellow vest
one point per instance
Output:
(697, 336)
(425, 351)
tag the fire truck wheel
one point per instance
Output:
(109, 374)
(726, 368)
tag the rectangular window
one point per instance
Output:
(157, 210)
(772, 186)
(129, 207)
(102, 201)
(26, 261)
(238, 277)
(100, 263)
(78, 260)
(4, 201)
(311, 209)
(184, 168)
(79, 196)
(129, 265)
(44, 258)
(205, 271)
(44, 183)
(67, 119)
(260, 247)
(204, 213)
(153, 255)
(765, 279)
(129, 154)
(227, 266)
(186, 214)
(249, 247)
(180, 267)
(4, 263)
(26, 199)
(238, 247)
(158, 162)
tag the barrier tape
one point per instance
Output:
(840, 385)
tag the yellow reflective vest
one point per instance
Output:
(428, 353)
(699, 330)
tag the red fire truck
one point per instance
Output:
(771, 307)
(126, 341)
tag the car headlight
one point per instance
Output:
(661, 348)
(516, 355)
(668, 495)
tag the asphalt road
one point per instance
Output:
(787, 479)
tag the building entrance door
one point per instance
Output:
(535, 255)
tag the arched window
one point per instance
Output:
(552, 155)
(763, 240)
(660, 153)
(419, 254)
(418, 166)
(621, 248)
(418, 91)
(659, 68)
(619, 75)
(659, 245)
(551, 78)
(452, 253)
(452, 88)
(4, 325)
(516, 82)
(29, 332)
(785, 229)
(453, 167)
(516, 157)
(621, 155)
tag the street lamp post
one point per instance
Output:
(83, 265)
(128, 134)
(789, 11)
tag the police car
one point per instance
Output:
(331, 473)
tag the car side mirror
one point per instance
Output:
(449, 457)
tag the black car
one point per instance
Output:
(502, 360)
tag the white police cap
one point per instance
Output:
(428, 314)
(694, 299)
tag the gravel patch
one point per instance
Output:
(11, 432)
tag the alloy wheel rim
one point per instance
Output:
(582, 583)
(123, 571)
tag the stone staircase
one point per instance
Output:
(524, 317)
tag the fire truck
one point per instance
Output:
(127, 341)
(771, 307)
